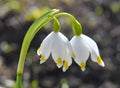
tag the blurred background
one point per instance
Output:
(100, 20)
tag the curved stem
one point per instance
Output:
(56, 25)
(65, 14)
(35, 27)
(76, 26)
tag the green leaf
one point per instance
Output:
(34, 28)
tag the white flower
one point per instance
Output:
(59, 46)
(83, 46)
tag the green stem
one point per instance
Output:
(65, 14)
(19, 81)
(35, 27)
(76, 26)
(56, 25)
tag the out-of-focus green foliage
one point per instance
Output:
(34, 13)
(11, 5)
(99, 10)
(115, 7)
(34, 84)
(31, 52)
(64, 83)
(6, 47)
(15, 5)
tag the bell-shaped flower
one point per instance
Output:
(83, 46)
(59, 46)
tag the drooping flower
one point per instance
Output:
(83, 47)
(59, 46)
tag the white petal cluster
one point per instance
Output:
(59, 46)
(83, 47)
(79, 47)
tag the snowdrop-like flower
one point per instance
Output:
(83, 46)
(59, 46)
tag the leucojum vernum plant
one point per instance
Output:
(80, 47)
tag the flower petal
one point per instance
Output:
(58, 49)
(91, 44)
(68, 59)
(83, 65)
(45, 48)
(100, 61)
(61, 49)
(42, 59)
(66, 64)
(93, 50)
(80, 50)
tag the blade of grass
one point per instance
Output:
(34, 28)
